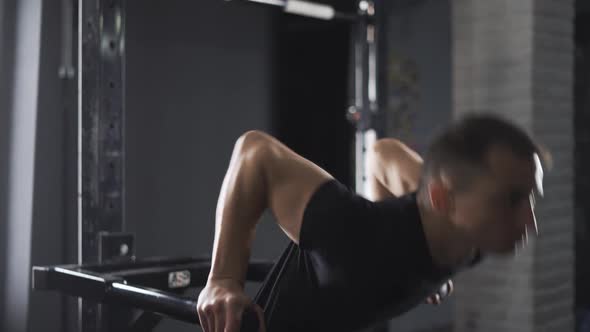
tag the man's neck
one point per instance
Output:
(447, 247)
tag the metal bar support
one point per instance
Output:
(101, 123)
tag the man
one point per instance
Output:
(354, 262)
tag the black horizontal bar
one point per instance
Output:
(88, 285)
(136, 264)
(167, 304)
(157, 276)
(71, 281)
(110, 283)
(257, 270)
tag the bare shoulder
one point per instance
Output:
(390, 145)
(290, 179)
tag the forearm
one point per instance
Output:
(231, 249)
(242, 200)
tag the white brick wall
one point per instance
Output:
(516, 58)
(553, 104)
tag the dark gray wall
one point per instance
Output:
(417, 69)
(198, 75)
(419, 39)
(582, 6)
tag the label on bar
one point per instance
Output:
(179, 279)
(310, 9)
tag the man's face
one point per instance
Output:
(497, 210)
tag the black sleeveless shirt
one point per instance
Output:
(357, 263)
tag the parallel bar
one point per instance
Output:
(78, 283)
(74, 281)
(94, 286)
(152, 262)
(150, 271)
(179, 308)
(167, 304)
(158, 277)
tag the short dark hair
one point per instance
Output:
(460, 150)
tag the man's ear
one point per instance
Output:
(538, 175)
(440, 196)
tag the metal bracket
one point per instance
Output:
(115, 247)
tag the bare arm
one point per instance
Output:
(394, 169)
(263, 173)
